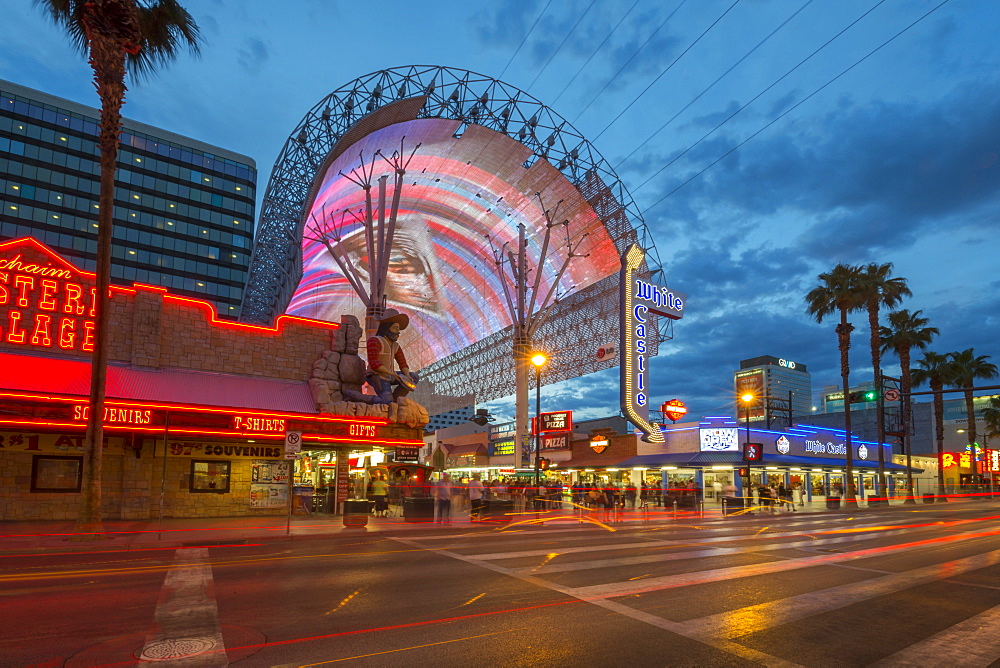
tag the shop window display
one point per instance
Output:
(210, 476)
(56, 474)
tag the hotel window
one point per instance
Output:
(56, 474)
(210, 476)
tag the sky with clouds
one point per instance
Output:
(765, 141)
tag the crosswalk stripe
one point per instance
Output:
(615, 589)
(187, 616)
(496, 556)
(693, 554)
(792, 608)
(974, 642)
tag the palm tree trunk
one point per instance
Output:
(904, 360)
(844, 330)
(937, 385)
(108, 62)
(879, 402)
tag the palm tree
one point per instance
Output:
(934, 370)
(966, 369)
(838, 291)
(905, 332)
(880, 290)
(118, 37)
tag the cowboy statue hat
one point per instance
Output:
(391, 315)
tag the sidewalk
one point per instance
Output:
(26, 537)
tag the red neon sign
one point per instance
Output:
(115, 415)
(44, 300)
(255, 423)
(674, 409)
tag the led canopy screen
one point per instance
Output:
(457, 192)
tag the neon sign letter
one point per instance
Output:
(639, 298)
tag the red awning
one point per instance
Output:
(71, 376)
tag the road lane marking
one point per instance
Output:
(187, 617)
(406, 649)
(974, 642)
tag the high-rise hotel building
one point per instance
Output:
(777, 385)
(184, 210)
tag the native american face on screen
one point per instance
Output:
(458, 195)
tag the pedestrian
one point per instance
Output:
(782, 495)
(630, 493)
(380, 494)
(797, 498)
(475, 498)
(442, 495)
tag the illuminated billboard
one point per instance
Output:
(457, 192)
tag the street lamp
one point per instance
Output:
(747, 400)
(539, 360)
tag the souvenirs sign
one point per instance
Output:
(639, 300)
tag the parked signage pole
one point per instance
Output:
(293, 445)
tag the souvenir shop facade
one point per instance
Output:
(197, 409)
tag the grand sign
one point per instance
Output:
(639, 300)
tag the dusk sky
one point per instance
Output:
(858, 147)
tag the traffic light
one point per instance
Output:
(743, 472)
(753, 452)
(543, 464)
(862, 396)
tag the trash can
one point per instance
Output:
(356, 513)
(732, 505)
(833, 503)
(929, 498)
(418, 509)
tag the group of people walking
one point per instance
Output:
(782, 497)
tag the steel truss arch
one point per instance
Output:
(424, 91)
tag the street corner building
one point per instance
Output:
(197, 407)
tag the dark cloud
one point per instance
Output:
(867, 177)
(252, 55)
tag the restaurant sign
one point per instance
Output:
(641, 299)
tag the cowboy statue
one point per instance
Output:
(383, 354)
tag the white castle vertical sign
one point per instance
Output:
(639, 299)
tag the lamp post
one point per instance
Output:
(538, 359)
(747, 400)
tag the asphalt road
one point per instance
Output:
(903, 587)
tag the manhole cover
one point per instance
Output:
(177, 648)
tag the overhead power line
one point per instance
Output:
(667, 69)
(629, 61)
(712, 85)
(758, 95)
(794, 107)
(526, 36)
(561, 44)
(599, 47)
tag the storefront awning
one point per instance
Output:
(699, 459)
(54, 375)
